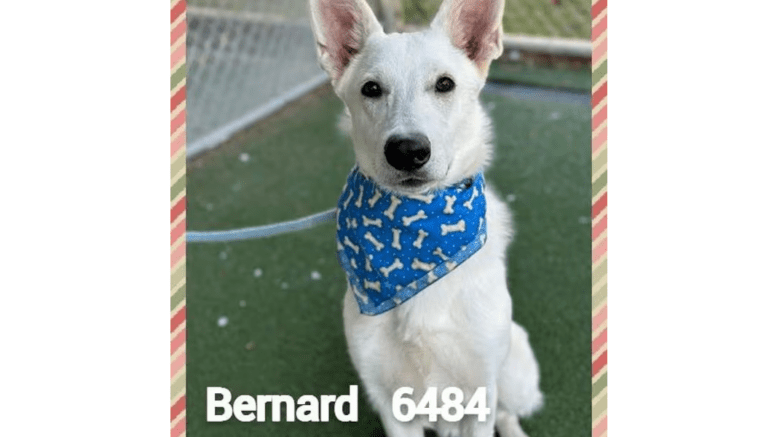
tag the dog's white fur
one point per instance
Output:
(459, 331)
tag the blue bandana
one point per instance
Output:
(392, 246)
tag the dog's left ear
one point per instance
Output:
(474, 26)
(340, 28)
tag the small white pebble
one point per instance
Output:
(223, 255)
(514, 55)
(314, 275)
(511, 198)
(284, 285)
(242, 304)
(223, 320)
(237, 187)
(244, 157)
(209, 207)
(257, 273)
(490, 106)
(554, 115)
(584, 220)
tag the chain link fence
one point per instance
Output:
(544, 18)
(248, 58)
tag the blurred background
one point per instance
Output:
(264, 316)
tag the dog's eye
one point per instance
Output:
(444, 85)
(372, 90)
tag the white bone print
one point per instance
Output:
(450, 264)
(353, 264)
(369, 237)
(360, 295)
(393, 208)
(358, 202)
(374, 199)
(395, 266)
(461, 226)
(420, 265)
(368, 264)
(439, 253)
(420, 215)
(395, 244)
(350, 244)
(368, 222)
(348, 199)
(449, 201)
(372, 285)
(427, 199)
(420, 240)
(468, 204)
(351, 223)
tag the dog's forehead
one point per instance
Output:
(405, 52)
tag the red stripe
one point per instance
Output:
(599, 228)
(177, 10)
(177, 232)
(599, 29)
(599, 206)
(178, 98)
(600, 341)
(599, 364)
(599, 118)
(177, 255)
(178, 209)
(600, 428)
(597, 8)
(599, 251)
(599, 95)
(177, 408)
(177, 32)
(177, 122)
(179, 429)
(178, 341)
(177, 319)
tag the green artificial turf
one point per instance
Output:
(287, 336)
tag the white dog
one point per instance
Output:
(418, 127)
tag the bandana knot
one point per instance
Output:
(393, 246)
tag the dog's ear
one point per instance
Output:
(340, 28)
(474, 26)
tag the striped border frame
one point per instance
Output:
(599, 218)
(178, 218)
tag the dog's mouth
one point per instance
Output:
(413, 182)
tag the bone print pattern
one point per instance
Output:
(395, 241)
(392, 246)
(370, 222)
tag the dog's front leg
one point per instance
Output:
(471, 427)
(395, 428)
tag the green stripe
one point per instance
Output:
(178, 165)
(599, 408)
(178, 385)
(599, 273)
(599, 162)
(178, 297)
(599, 73)
(178, 274)
(178, 187)
(599, 385)
(178, 76)
(599, 184)
(599, 297)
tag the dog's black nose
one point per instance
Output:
(408, 152)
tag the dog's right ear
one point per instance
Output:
(340, 28)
